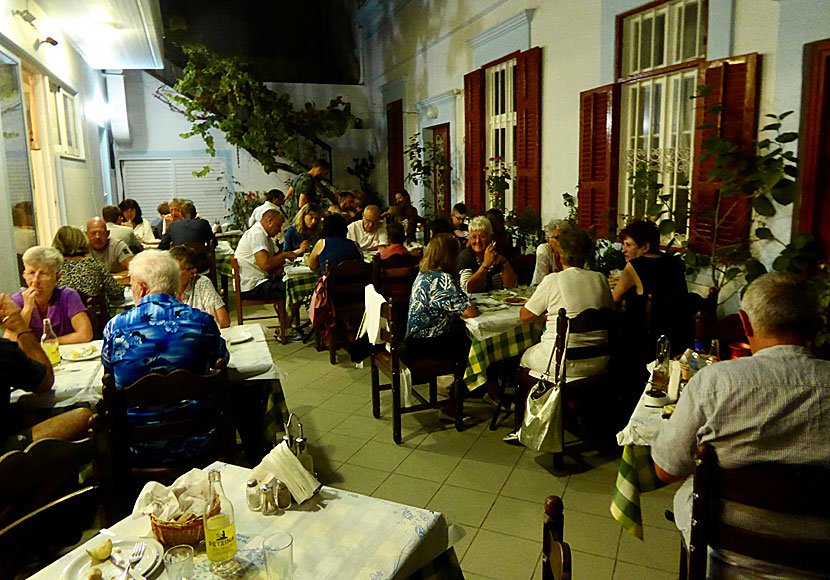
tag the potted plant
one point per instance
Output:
(425, 162)
(496, 180)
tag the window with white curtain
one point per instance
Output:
(500, 117)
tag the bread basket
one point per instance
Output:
(190, 530)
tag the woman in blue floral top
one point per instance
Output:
(437, 304)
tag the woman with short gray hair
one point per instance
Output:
(481, 265)
(546, 259)
(44, 299)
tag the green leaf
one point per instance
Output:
(784, 115)
(764, 234)
(772, 127)
(771, 116)
(780, 264)
(791, 170)
(784, 192)
(732, 273)
(764, 144)
(666, 227)
(786, 137)
(755, 268)
(654, 209)
(763, 206)
(802, 240)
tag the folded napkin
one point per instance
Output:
(282, 464)
(188, 494)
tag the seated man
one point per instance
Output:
(112, 217)
(260, 263)
(26, 366)
(396, 238)
(114, 254)
(274, 199)
(345, 206)
(187, 230)
(771, 407)
(459, 220)
(368, 233)
(160, 334)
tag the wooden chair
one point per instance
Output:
(780, 490)
(98, 312)
(524, 265)
(346, 283)
(394, 276)
(392, 360)
(556, 553)
(42, 509)
(279, 304)
(117, 432)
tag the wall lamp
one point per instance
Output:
(47, 40)
(25, 15)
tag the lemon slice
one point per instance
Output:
(103, 551)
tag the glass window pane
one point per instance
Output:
(656, 110)
(645, 44)
(644, 113)
(690, 31)
(69, 119)
(634, 46)
(659, 39)
(687, 104)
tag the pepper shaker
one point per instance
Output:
(269, 501)
(283, 496)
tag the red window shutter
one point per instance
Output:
(528, 182)
(734, 84)
(474, 140)
(598, 159)
(394, 146)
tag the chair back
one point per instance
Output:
(394, 276)
(556, 553)
(790, 503)
(591, 320)
(209, 410)
(524, 266)
(98, 312)
(205, 259)
(43, 472)
(346, 290)
(237, 291)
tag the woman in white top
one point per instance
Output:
(574, 289)
(131, 216)
(546, 261)
(197, 291)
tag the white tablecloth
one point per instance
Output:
(337, 534)
(80, 382)
(490, 323)
(645, 421)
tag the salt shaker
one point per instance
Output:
(253, 495)
(269, 500)
(283, 496)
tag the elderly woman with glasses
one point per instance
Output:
(80, 271)
(481, 265)
(197, 291)
(44, 299)
(547, 260)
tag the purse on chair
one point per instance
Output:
(541, 430)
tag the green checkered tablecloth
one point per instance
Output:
(636, 475)
(231, 237)
(299, 284)
(512, 342)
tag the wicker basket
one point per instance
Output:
(191, 531)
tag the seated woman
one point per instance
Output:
(395, 235)
(44, 299)
(404, 212)
(649, 271)
(305, 231)
(436, 306)
(546, 254)
(131, 216)
(575, 289)
(197, 291)
(80, 271)
(333, 246)
(481, 266)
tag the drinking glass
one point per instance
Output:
(278, 550)
(178, 561)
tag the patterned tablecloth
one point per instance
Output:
(337, 534)
(299, 284)
(232, 237)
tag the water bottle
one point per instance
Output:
(698, 359)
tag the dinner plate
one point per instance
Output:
(66, 354)
(81, 566)
(240, 338)
(515, 300)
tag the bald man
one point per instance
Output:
(114, 254)
(368, 233)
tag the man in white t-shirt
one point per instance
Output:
(274, 199)
(260, 263)
(369, 233)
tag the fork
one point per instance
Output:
(135, 558)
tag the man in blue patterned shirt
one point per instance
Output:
(160, 334)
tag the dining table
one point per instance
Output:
(497, 332)
(336, 534)
(254, 378)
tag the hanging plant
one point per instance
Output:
(221, 93)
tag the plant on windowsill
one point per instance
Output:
(497, 176)
(526, 229)
(425, 163)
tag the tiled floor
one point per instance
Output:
(493, 490)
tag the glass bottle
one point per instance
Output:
(662, 370)
(49, 343)
(714, 351)
(220, 530)
(253, 495)
(304, 456)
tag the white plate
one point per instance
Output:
(240, 338)
(66, 353)
(81, 566)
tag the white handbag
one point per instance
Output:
(542, 425)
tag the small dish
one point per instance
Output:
(240, 338)
(75, 353)
(81, 566)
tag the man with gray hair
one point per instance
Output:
(188, 230)
(160, 334)
(771, 407)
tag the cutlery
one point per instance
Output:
(135, 558)
(119, 562)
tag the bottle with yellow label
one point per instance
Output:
(220, 530)
(49, 343)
